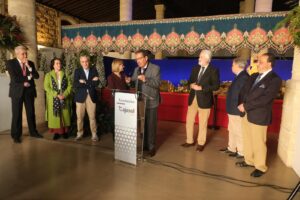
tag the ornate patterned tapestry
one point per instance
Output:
(232, 32)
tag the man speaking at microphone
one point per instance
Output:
(22, 90)
(147, 81)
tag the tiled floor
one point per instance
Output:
(64, 169)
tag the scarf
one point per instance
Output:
(58, 104)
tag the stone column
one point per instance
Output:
(263, 5)
(2, 7)
(25, 12)
(160, 14)
(246, 6)
(126, 15)
(290, 115)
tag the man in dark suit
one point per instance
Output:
(203, 80)
(147, 80)
(235, 137)
(86, 80)
(256, 100)
(22, 73)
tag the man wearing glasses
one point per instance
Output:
(147, 81)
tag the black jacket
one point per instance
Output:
(83, 89)
(210, 82)
(16, 86)
(258, 100)
(234, 91)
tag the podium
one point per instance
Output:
(129, 112)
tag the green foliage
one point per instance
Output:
(292, 21)
(11, 34)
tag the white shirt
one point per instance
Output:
(264, 74)
(86, 71)
(143, 69)
(205, 67)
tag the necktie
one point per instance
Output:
(23, 69)
(256, 80)
(201, 72)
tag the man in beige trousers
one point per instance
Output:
(203, 80)
(256, 100)
(86, 79)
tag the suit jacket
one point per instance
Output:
(151, 86)
(258, 100)
(234, 91)
(16, 86)
(83, 89)
(209, 81)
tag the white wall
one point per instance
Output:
(5, 103)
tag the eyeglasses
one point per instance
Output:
(139, 58)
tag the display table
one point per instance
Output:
(173, 107)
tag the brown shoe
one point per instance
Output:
(200, 148)
(185, 145)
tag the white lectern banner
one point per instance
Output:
(126, 127)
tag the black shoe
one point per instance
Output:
(65, 136)
(200, 148)
(152, 152)
(257, 173)
(36, 135)
(56, 136)
(223, 149)
(17, 140)
(243, 164)
(239, 156)
(185, 145)
(233, 154)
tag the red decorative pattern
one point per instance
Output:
(282, 37)
(121, 41)
(257, 38)
(66, 42)
(91, 41)
(78, 41)
(212, 38)
(137, 40)
(155, 40)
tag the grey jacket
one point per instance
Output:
(151, 86)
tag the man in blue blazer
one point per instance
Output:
(256, 101)
(86, 80)
(235, 136)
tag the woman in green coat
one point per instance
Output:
(58, 89)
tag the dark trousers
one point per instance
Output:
(150, 128)
(17, 108)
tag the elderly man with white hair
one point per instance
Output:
(203, 80)
(22, 73)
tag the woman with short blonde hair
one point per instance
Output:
(117, 79)
(116, 65)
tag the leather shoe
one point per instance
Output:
(223, 149)
(234, 154)
(243, 164)
(17, 140)
(200, 148)
(152, 152)
(257, 173)
(239, 156)
(56, 136)
(36, 135)
(185, 145)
